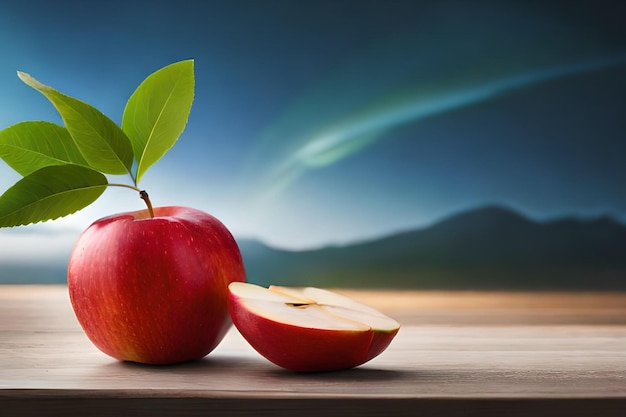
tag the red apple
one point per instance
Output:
(154, 290)
(309, 329)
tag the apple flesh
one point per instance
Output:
(309, 329)
(154, 290)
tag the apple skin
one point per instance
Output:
(305, 349)
(154, 290)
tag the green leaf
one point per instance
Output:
(101, 142)
(157, 112)
(50, 193)
(29, 146)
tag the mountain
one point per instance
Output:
(486, 248)
(22, 273)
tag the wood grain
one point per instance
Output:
(457, 353)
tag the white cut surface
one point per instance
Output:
(311, 316)
(311, 308)
(378, 322)
(328, 298)
(251, 291)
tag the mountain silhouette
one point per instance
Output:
(486, 248)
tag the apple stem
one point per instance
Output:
(144, 196)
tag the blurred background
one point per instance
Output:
(354, 143)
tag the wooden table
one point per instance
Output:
(457, 353)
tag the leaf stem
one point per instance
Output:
(132, 187)
(142, 194)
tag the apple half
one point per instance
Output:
(308, 329)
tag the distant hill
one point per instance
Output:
(20, 273)
(486, 248)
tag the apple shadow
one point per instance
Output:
(196, 368)
(231, 368)
(357, 374)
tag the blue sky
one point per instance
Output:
(324, 122)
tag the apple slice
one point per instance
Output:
(308, 329)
